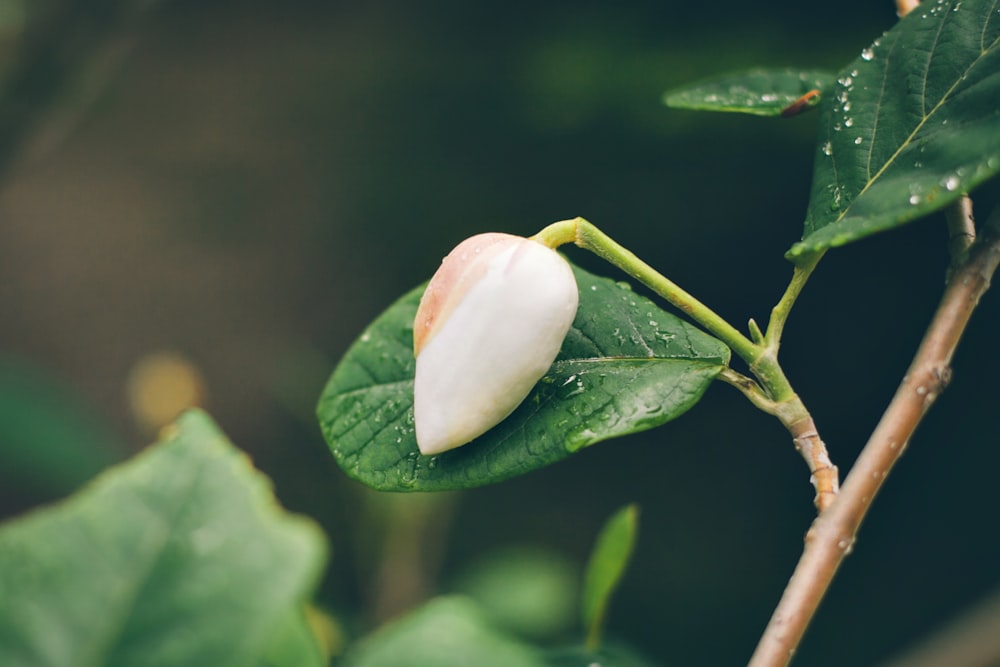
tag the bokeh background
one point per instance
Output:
(207, 200)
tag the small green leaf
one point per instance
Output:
(625, 366)
(911, 125)
(178, 557)
(445, 632)
(607, 565)
(759, 91)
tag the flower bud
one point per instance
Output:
(488, 327)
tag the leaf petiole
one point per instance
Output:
(585, 235)
(772, 392)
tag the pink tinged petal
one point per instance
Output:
(488, 328)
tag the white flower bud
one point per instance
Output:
(489, 326)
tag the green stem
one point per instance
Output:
(774, 394)
(779, 314)
(589, 237)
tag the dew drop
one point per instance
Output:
(848, 122)
(914, 199)
(867, 54)
(827, 148)
(951, 183)
(858, 141)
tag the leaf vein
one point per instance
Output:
(916, 130)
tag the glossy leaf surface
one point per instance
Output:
(625, 366)
(759, 91)
(910, 125)
(178, 557)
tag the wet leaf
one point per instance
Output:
(759, 91)
(910, 125)
(625, 366)
(178, 557)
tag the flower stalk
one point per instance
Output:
(771, 391)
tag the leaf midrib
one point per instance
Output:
(141, 582)
(596, 360)
(923, 121)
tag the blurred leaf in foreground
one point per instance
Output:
(178, 557)
(445, 632)
(608, 561)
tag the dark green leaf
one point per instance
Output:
(625, 366)
(759, 91)
(49, 440)
(445, 632)
(179, 557)
(611, 655)
(608, 561)
(528, 591)
(912, 124)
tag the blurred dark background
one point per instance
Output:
(216, 196)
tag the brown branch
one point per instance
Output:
(833, 533)
(961, 228)
(971, 640)
(824, 476)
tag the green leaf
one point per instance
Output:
(615, 655)
(607, 566)
(759, 91)
(293, 643)
(49, 440)
(911, 125)
(624, 367)
(178, 557)
(527, 591)
(445, 632)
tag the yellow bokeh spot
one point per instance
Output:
(160, 386)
